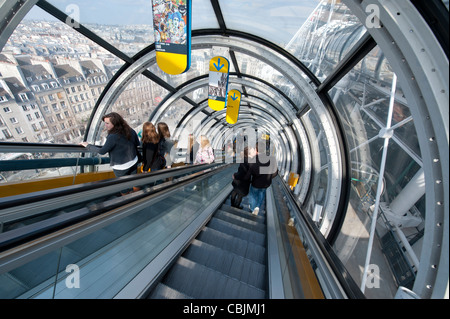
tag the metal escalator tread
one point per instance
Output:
(233, 244)
(260, 218)
(215, 285)
(227, 260)
(237, 231)
(228, 263)
(240, 221)
(165, 292)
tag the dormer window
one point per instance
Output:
(54, 84)
(23, 97)
(3, 98)
(45, 86)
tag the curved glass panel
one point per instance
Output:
(277, 22)
(203, 16)
(325, 38)
(127, 25)
(64, 73)
(366, 109)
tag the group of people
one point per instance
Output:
(254, 176)
(122, 144)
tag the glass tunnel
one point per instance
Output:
(351, 98)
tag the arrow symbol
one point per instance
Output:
(234, 97)
(219, 66)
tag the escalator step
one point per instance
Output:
(260, 218)
(165, 292)
(237, 231)
(245, 208)
(228, 263)
(240, 221)
(201, 282)
(233, 244)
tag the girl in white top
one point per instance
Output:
(205, 153)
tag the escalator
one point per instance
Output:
(177, 239)
(110, 243)
(227, 260)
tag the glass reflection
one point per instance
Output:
(363, 99)
(326, 36)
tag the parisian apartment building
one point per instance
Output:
(44, 101)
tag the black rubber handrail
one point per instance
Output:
(30, 232)
(29, 198)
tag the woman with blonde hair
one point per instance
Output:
(153, 159)
(205, 153)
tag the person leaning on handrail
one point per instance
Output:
(121, 144)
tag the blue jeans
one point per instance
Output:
(256, 197)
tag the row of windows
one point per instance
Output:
(29, 117)
(45, 86)
(24, 97)
(24, 107)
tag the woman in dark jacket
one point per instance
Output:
(241, 182)
(262, 170)
(121, 144)
(166, 143)
(152, 158)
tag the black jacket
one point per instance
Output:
(242, 177)
(120, 149)
(152, 158)
(263, 169)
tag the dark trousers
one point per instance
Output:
(236, 199)
(130, 171)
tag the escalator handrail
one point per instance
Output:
(25, 234)
(346, 281)
(23, 147)
(29, 198)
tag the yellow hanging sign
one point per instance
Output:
(218, 82)
(233, 104)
